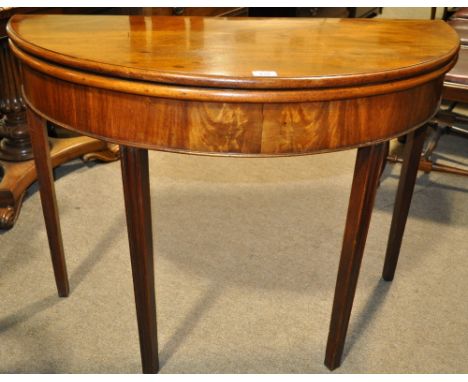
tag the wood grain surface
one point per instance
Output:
(136, 186)
(340, 83)
(223, 128)
(367, 170)
(224, 52)
(45, 177)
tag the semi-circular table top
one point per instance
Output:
(225, 52)
(234, 86)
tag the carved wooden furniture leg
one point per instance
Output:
(40, 144)
(17, 170)
(14, 138)
(409, 170)
(426, 163)
(432, 140)
(18, 176)
(367, 171)
(15, 145)
(428, 166)
(135, 177)
(445, 122)
(111, 153)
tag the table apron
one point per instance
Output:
(232, 129)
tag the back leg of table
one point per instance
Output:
(367, 172)
(40, 145)
(135, 177)
(409, 170)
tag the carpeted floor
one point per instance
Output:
(246, 254)
(246, 260)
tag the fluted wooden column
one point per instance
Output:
(15, 144)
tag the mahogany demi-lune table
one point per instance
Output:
(233, 87)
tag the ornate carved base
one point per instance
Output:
(110, 154)
(15, 145)
(18, 176)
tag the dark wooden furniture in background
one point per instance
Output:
(240, 103)
(455, 91)
(447, 121)
(17, 171)
(183, 11)
(341, 12)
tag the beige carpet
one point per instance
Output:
(246, 258)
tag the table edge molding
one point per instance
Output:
(191, 93)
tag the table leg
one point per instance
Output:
(367, 170)
(135, 176)
(40, 145)
(409, 170)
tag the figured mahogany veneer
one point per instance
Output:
(236, 87)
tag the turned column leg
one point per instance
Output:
(367, 171)
(135, 176)
(16, 144)
(409, 170)
(40, 145)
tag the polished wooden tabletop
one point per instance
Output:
(234, 86)
(238, 52)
